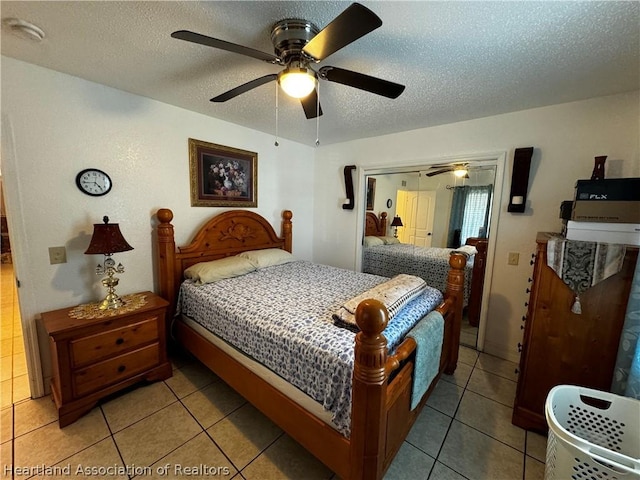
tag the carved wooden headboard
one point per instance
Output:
(375, 226)
(222, 236)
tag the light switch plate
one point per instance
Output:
(57, 255)
(514, 258)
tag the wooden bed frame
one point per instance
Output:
(377, 226)
(381, 390)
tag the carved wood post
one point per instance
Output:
(166, 250)
(383, 222)
(455, 289)
(286, 230)
(368, 418)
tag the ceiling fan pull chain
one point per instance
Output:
(276, 142)
(318, 115)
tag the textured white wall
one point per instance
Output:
(566, 139)
(54, 125)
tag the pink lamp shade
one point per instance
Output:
(107, 239)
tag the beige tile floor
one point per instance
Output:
(194, 420)
(14, 384)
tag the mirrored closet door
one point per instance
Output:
(433, 207)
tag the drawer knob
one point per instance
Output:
(516, 371)
(120, 341)
(519, 347)
(121, 368)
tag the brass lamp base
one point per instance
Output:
(110, 302)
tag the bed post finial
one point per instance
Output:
(166, 258)
(287, 215)
(455, 289)
(368, 391)
(383, 223)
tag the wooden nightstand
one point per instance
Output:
(96, 353)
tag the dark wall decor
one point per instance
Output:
(520, 179)
(348, 185)
(371, 193)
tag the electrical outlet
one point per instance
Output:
(57, 255)
(514, 258)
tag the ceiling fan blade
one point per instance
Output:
(353, 23)
(363, 82)
(310, 105)
(438, 172)
(234, 92)
(224, 45)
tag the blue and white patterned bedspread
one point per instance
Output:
(430, 264)
(281, 316)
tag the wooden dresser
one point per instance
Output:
(96, 356)
(564, 348)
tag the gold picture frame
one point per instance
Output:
(222, 176)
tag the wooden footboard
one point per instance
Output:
(381, 391)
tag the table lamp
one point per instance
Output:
(107, 240)
(396, 222)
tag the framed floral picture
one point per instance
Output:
(222, 176)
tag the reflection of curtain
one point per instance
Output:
(457, 216)
(476, 212)
(626, 376)
(469, 214)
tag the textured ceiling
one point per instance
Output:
(458, 60)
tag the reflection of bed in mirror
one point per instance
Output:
(382, 379)
(384, 255)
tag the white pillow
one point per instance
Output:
(207, 272)
(468, 249)
(390, 240)
(267, 257)
(371, 241)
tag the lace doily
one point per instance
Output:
(92, 310)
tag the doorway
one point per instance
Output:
(13, 367)
(417, 210)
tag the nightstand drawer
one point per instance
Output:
(115, 369)
(105, 344)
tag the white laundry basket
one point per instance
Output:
(593, 435)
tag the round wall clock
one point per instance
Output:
(389, 203)
(93, 182)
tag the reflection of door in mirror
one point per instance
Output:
(417, 209)
(441, 211)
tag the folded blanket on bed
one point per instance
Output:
(428, 334)
(394, 294)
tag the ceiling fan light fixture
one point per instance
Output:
(460, 172)
(297, 82)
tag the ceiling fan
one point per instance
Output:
(298, 44)
(458, 169)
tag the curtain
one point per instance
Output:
(476, 213)
(626, 376)
(457, 216)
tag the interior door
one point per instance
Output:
(417, 211)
